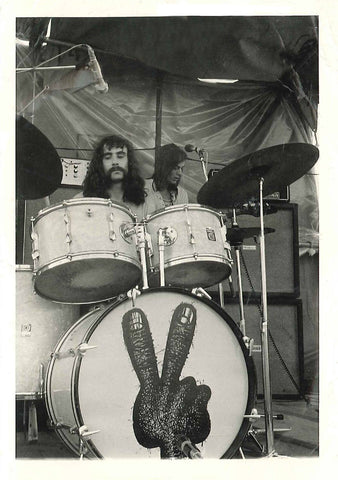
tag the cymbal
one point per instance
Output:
(236, 235)
(38, 166)
(279, 165)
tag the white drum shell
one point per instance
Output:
(99, 389)
(81, 253)
(39, 326)
(199, 256)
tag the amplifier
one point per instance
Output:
(286, 351)
(281, 255)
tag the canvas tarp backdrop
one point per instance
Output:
(152, 66)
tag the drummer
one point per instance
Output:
(163, 189)
(113, 173)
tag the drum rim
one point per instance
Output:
(82, 201)
(251, 371)
(48, 398)
(181, 207)
(195, 258)
(62, 261)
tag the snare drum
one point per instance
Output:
(92, 385)
(39, 326)
(82, 253)
(193, 238)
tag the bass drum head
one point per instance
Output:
(106, 386)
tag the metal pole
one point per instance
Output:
(240, 292)
(264, 338)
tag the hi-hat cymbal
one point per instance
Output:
(279, 165)
(38, 166)
(236, 235)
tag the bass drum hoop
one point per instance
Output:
(235, 329)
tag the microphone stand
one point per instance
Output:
(204, 162)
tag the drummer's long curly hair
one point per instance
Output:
(94, 184)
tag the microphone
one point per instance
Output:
(203, 154)
(100, 85)
(192, 148)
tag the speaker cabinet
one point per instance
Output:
(281, 255)
(285, 332)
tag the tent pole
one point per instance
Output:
(159, 100)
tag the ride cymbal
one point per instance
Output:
(238, 182)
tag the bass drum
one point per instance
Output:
(92, 384)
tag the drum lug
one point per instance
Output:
(200, 292)
(133, 294)
(72, 352)
(249, 343)
(66, 354)
(60, 425)
(84, 433)
(83, 347)
(253, 416)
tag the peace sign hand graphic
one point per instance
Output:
(167, 411)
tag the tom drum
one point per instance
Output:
(82, 252)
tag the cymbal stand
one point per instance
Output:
(264, 335)
(239, 278)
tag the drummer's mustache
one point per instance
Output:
(115, 169)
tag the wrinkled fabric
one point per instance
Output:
(229, 121)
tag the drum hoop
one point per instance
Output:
(182, 207)
(49, 373)
(199, 258)
(83, 201)
(84, 255)
(235, 329)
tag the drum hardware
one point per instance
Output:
(161, 244)
(133, 294)
(190, 234)
(61, 425)
(84, 435)
(188, 448)
(273, 166)
(73, 352)
(200, 292)
(41, 379)
(141, 248)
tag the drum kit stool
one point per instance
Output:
(91, 251)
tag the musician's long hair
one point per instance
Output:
(167, 158)
(95, 182)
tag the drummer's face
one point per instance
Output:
(115, 161)
(176, 173)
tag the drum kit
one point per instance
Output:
(92, 251)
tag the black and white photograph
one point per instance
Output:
(166, 245)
